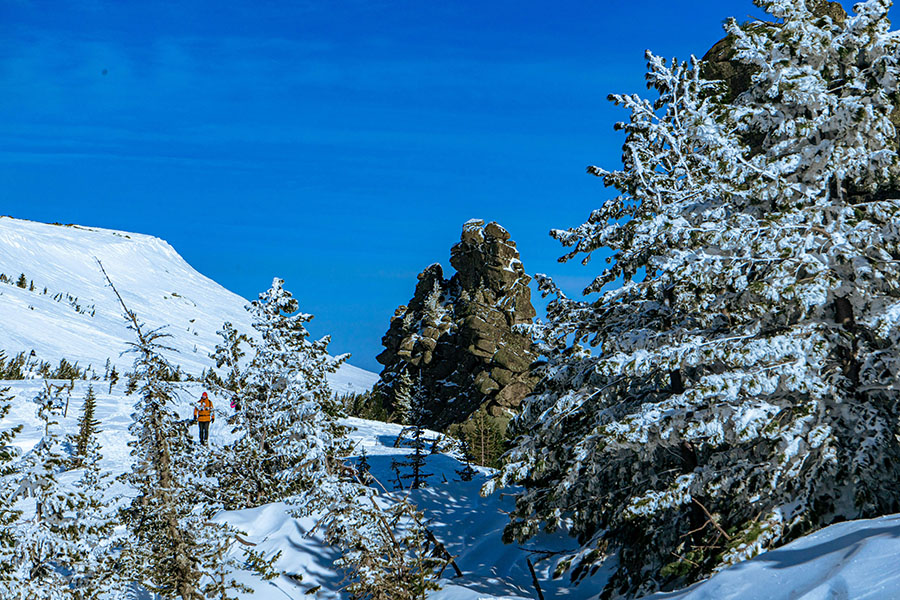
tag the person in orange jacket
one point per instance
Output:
(203, 414)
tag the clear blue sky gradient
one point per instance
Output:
(339, 145)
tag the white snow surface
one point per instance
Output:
(847, 561)
(155, 281)
(469, 525)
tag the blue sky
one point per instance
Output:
(339, 145)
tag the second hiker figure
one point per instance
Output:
(203, 414)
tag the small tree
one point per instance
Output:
(96, 574)
(467, 473)
(387, 551)
(228, 354)
(363, 468)
(22, 282)
(289, 437)
(9, 580)
(113, 378)
(484, 437)
(87, 427)
(48, 547)
(416, 415)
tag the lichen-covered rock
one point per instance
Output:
(455, 339)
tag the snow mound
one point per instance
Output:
(78, 317)
(847, 561)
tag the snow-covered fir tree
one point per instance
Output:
(87, 427)
(113, 379)
(228, 354)
(386, 548)
(8, 514)
(402, 388)
(96, 574)
(363, 468)
(289, 437)
(467, 472)
(412, 467)
(51, 545)
(740, 387)
(173, 548)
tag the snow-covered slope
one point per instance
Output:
(78, 318)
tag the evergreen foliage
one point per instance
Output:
(363, 468)
(66, 370)
(14, 368)
(211, 379)
(467, 473)
(174, 548)
(113, 378)
(741, 389)
(365, 405)
(63, 550)
(485, 437)
(44, 542)
(291, 447)
(97, 573)
(290, 440)
(387, 551)
(22, 282)
(87, 427)
(8, 513)
(228, 354)
(416, 415)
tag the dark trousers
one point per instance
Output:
(204, 431)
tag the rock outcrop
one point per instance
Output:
(455, 341)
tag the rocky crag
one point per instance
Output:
(454, 343)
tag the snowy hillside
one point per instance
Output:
(78, 317)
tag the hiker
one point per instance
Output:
(203, 414)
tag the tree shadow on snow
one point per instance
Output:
(468, 525)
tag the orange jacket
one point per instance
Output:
(203, 413)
